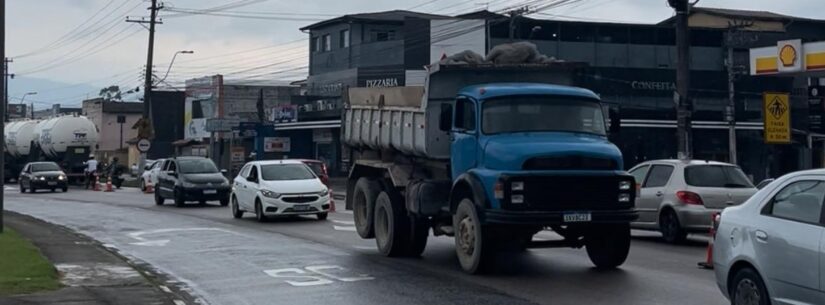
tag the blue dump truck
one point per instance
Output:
(490, 154)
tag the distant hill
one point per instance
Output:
(49, 92)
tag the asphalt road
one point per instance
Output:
(221, 260)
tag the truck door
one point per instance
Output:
(464, 148)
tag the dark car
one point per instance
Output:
(191, 179)
(43, 175)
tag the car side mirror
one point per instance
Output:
(445, 122)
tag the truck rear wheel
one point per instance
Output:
(608, 245)
(363, 205)
(419, 232)
(391, 226)
(471, 246)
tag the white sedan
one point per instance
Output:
(279, 188)
(150, 173)
(769, 250)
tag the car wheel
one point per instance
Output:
(158, 199)
(236, 210)
(259, 211)
(142, 185)
(224, 201)
(670, 227)
(179, 202)
(22, 188)
(322, 216)
(471, 245)
(748, 288)
(608, 245)
(363, 205)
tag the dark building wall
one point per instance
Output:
(167, 118)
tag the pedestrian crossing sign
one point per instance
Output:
(777, 116)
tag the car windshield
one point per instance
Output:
(716, 176)
(279, 172)
(542, 113)
(45, 167)
(197, 166)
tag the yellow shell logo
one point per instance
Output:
(787, 55)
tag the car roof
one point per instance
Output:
(277, 162)
(810, 172)
(686, 162)
(43, 162)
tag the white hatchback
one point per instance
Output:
(279, 188)
(769, 250)
(150, 173)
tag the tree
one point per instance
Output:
(111, 94)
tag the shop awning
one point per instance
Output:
(308, 125)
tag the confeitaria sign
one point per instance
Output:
(653, 85)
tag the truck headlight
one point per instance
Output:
(517, 199)
(517, 186)
(624, 185)
(270, 194)
(624, 197)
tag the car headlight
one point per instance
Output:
(270, 194)
(323, 193)
(42, 178)
(187, 184)
(61, 177)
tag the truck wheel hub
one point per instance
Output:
(467, 238)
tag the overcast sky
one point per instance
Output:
(101, 49)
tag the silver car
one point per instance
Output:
(678, 197)
(769, 250)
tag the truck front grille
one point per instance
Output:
(570, 163)
(569, 193)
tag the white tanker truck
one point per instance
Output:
(66, 140)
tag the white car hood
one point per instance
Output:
(294, 186)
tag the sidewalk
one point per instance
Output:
(91, 275)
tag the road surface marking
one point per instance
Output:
(344, 222)
(344, 228)
(165, 289)
(179, 302)
(316, 275)
(344, 212)
(141, 241)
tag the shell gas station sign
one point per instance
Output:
(788, 56)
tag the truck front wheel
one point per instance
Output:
(471, 246)
(391, 226)
(608, 245)
(363, 205)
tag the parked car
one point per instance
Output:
(150, 173)
(319, 168)
(679, 197)
(769, 249)
(279, 188)
(191, 179)
(43, 175)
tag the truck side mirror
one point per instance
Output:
(615, 121)
(445, 122)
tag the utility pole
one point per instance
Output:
(6, 75)
(513, 15)
(684, 107)
(2, 109)
(730, 111)
(147, 92)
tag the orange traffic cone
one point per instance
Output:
(96, 187)
(109, 185)
(708, 263)
(149, 188)
(331, 202)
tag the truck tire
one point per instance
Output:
(608, 245)
(363, 205)
(419, 232)
(471, 246)
(391, 226)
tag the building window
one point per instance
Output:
(327, 43)
(382, 35)
(344, 39)
(316, 44)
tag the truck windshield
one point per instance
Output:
(542, 113)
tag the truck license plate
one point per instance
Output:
(210, 192)
(577, 217)
(301, 207)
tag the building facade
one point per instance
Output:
(114, 121)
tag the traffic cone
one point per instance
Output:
(708, 263)
(109, 185)
(96, 187)
(149, 188)
(331, 202)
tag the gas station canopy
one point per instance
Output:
(788, 56)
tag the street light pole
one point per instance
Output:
(2, 109)
(172, 63)
(23, 100)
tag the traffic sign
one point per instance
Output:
(777, 115)
(143, 145)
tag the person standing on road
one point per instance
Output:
(91, 170)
